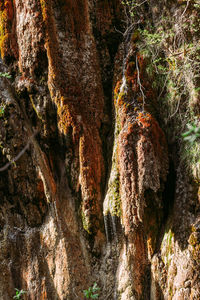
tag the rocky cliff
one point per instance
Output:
(99, 149)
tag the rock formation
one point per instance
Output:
(97, 183)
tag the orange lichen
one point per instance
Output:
(150, 246)
(136, 80)
(130, 128)
(9, 9)
(77, 116)
(6, 17)
(140, 141)
(67, 117)
(144, 119)
(132, 77)
(51, 42)
(91, 163)
(136, 76)
(117, 88)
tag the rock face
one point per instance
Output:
(96, 182)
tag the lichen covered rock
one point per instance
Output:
(91, 186)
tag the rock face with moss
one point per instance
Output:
(99, 183)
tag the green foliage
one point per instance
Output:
(2, 110)
(19, 294)
(6, 75)
(133, 8)
(153, 38)
(197, 4)
(190, 153)
(171, 49)
(192, 134)
(92, 292)
(131, 4)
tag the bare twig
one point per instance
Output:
(6, 166)
(117, 30)
(176, 109)
(164, 86)
(139, 82)
(188, 1)
(139, 4)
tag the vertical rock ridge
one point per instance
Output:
(107, 87)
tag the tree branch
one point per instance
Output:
(6, 166)
(139, 82)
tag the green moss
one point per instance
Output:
(190, 155)
(85, 222)
(194, 242)
(33, 105)
(192, 239)
(175, 77)
(167, 247)
(196, 253)
(112, 203)
(170, 291)
(135, 36)
(115, 197)
(193, 229)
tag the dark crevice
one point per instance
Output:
(113, 227)
(107, 127)
(169, 192)
(168, 197)
(40, 70)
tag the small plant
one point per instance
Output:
(19, 294)
(131, 5)
(92, 292)
(6, 75)
(192, 134)
(2, 110)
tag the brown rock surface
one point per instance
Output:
(98, 187)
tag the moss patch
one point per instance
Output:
(167, 247)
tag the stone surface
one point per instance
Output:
(99, 193)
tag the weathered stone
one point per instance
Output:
(92, 197)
